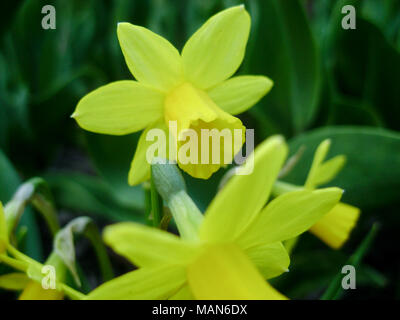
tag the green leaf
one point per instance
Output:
(112, 156)
(335, 290)
(65, 249)
(371, 176)
(36, 192)
(92, 196)
(9, 182)
(366, 67)
(285, 51)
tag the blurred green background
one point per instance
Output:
(329, 83)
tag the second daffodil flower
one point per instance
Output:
(228, 252)
(192, 88)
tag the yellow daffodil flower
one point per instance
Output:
(333, 228)
(192, 88)
(228, 252)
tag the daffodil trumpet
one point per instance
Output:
(194, 88)
(228, 252)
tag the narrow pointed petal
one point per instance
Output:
(150, 58)
(328, 170)
(289, 215)
(335, 227)
(145, 246)
(216, 50)
(119, 108)
(158, 283)
(270, 259)
(140, 166)
(319, 157)
(239, 202)
(238, 94)
(225, 273)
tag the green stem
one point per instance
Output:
(16, 264)
(281, 187)
(22, 263)
(156, 204)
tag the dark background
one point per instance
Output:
(329, 83)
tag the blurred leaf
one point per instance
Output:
(9, 182)
(92, 196)
(112, 156)
(367, 67)
(371, 176)
(35, 191)
(285, 51)
(65, 249)
(335, 290)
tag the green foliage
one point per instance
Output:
(329, 83)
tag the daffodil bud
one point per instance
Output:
(171, 186)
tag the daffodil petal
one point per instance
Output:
(328, 170)
(201, 127)
(238, 203)
(14, 281)
(335, 227)
(225, 273)
(216, 50)
(270, 259)
(145, 246)
(289, 215)
(119, 108)
(158, 283)
(140, 166)
(183, 294)
(238, 94)
(319, 157)
(34, 291)
(151, 58)
(3, 230)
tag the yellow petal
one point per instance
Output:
(335, 227)
(289, 215)
(238, 94)
(150, 58)
(158, 283)
(194, 112)
(145, 246)
(216, 50)
(270, 259)
(119, 108)
(140, 166)
(14, 281)
(319, 157)
(183, 294)
(328, 170)
(34, 291)
(225, 273)
(3, 230)
(239, 202)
